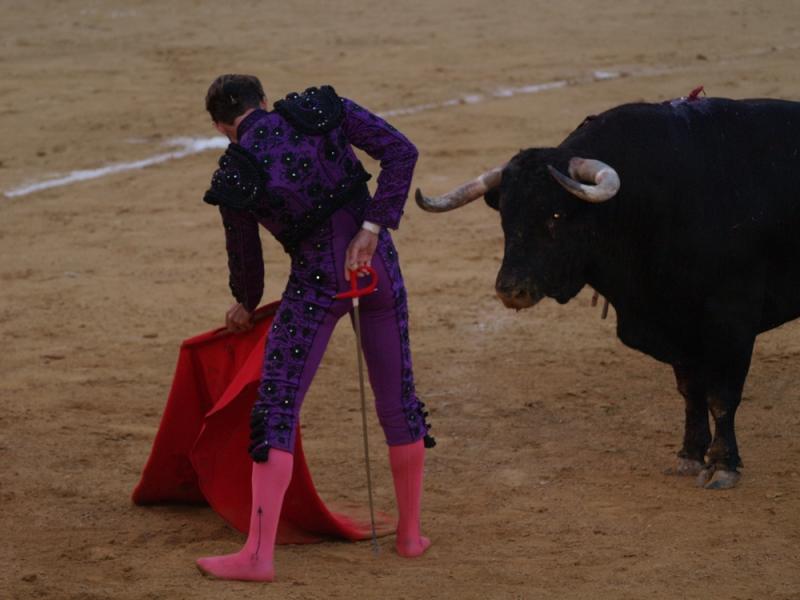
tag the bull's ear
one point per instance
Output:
(492, 198)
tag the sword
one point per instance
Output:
(355, 293)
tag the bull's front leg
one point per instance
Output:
(697, 433)
(721, 470)
(728, 347)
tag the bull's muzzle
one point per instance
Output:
(515, 296)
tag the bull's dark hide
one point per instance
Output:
(698, 251)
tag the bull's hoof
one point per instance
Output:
(687, 466)
(711, 478)
(723, 480)
(704, 476)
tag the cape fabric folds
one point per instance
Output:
(200, 451)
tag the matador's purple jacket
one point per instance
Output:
(294, 172)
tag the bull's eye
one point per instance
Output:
(551, 225)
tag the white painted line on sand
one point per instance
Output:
(189, 146)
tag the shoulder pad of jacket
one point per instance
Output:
(238, 182)
(315, 111)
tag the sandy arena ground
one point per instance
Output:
(547, 481)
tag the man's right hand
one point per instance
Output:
(238, 318)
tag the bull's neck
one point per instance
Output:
(620, 260)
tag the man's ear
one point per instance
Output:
(220, 127)
(492, 198)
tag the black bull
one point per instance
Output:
(698, 249)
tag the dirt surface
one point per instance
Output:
(547, 481)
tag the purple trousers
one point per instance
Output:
(304, 324)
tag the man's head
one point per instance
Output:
(232, 95)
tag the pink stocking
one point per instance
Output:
(407, 462)
(254, 561)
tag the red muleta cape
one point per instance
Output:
(200, 451)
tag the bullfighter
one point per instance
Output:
(293, 170)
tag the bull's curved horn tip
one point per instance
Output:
(423, 201)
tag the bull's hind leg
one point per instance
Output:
(697, 434)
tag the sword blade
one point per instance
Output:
(359, 351)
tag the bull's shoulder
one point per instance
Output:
(639, 117)
(639, 120)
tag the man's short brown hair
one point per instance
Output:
(230, 95)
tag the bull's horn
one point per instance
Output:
(605, 179)
(460, 196)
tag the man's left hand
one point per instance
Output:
(238, 319)
(360, 251)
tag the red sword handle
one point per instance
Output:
(355, 291)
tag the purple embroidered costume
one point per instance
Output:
(294, 172)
